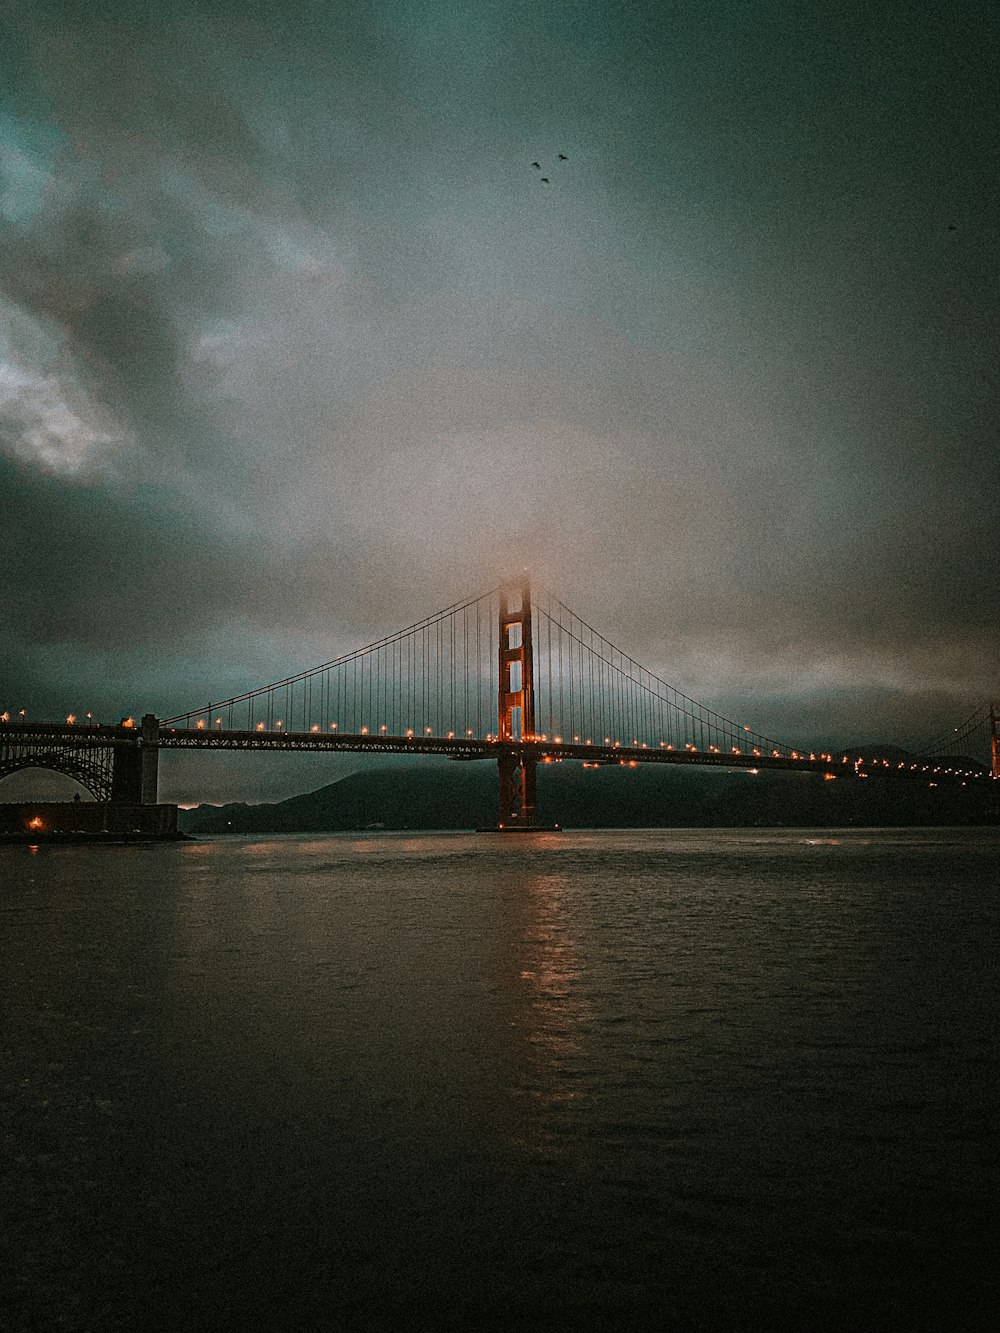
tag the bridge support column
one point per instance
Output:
(126, 773)
(518, 808)
(134, 763)
(516, 707)
(149, 757)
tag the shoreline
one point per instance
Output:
(77, 837)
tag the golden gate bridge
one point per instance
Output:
(512, 675)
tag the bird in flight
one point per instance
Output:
(538, 166)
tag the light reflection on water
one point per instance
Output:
(720, 1078)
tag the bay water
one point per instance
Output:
(683, 1079)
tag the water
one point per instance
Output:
(682, 1079)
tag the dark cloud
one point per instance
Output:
(292, 346)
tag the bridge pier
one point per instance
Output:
(134, 767)
(126, 775)
(149, 759)
(518, 807)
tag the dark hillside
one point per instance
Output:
(461, 796)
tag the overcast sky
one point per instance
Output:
(295, 346)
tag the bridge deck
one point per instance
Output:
(19, 738)
(547, 752)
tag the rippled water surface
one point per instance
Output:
(682, 1079)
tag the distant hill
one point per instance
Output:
(449, 795)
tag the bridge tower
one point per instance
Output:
(516, 707)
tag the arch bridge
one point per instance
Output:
(116, 764)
